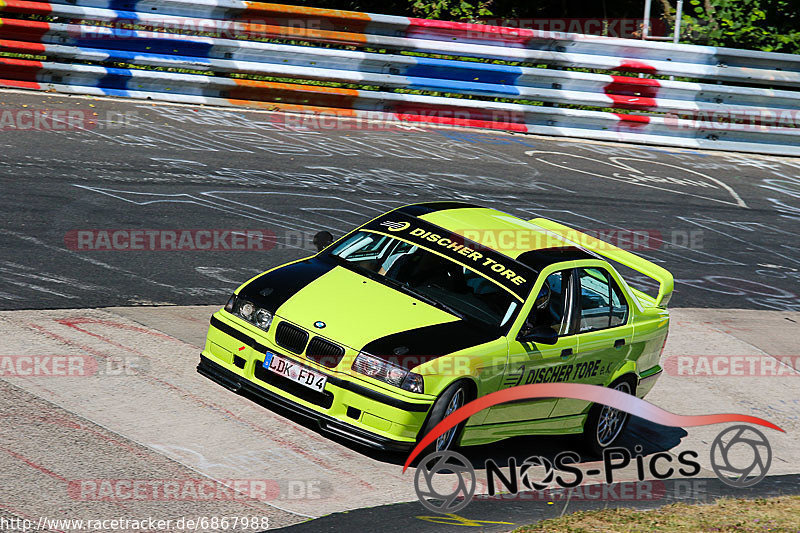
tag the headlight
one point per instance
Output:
(249, 311)
(388, 373)
(263, 319)
(231, 303)
(246, 310)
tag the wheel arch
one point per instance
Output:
(472, 390)
(628, 370)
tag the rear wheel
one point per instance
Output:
(453, 398)
(604, 424)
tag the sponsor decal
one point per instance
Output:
(396, 226)
(557, 373)
(509, 274)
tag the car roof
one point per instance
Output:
(512, 236)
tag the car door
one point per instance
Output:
(604, 334)
(535, 362)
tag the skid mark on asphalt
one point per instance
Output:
(72, 323)
(215, 433)
(202, 402)
(64, 423)
(20, 514)
(176, 473)
(215, 427)
(95, 262)
(641, 179)
(60, 463)
(33, 465)
(46, 471)
(255, 506)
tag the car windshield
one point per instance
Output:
(427, 276)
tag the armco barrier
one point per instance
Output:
(85, 42)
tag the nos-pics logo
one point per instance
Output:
(445, 481)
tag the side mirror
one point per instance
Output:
(541, 335)
(322, 240)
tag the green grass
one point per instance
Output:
(778, 515)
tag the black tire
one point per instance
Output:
(596, 438)
(453, 397)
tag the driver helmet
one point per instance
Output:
(543, 300)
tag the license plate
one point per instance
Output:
(295, 371)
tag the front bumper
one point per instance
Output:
(232, 357)
(327, 424)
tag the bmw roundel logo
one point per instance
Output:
(319, 324)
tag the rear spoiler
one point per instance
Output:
(609, 251)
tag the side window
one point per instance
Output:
(602, 303)
(619, 306)
(551, 307)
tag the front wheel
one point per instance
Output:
(453, 398)
(604, 424)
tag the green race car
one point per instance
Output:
(386, 331)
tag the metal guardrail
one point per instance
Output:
(84, 57)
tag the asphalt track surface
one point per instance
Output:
(73, 445)
(727, 225)
(499, 515)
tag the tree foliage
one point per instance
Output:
(451, 9)
(768, 25)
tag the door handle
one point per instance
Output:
(566, 352)
(619, 343)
